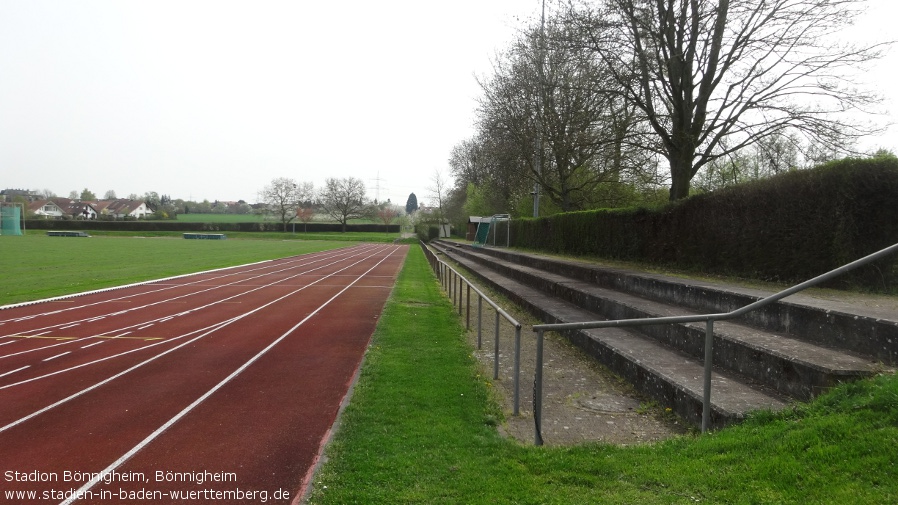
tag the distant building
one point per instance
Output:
(8, 195)
(65, 208)
(46, 208)
(122, 208)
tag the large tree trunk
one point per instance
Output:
(680, 176)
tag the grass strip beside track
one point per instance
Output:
(421, 428)
(36, 266)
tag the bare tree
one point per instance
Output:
(305, 216)
(542, 100)
(344, 199)
(714, 76)
(439, 192)
(283, 196)
(387, 214)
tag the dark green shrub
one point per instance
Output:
(789, 228)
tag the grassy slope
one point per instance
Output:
(420, 429)
(37, 266)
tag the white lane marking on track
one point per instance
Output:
(340, 257)
(325, 255)
(57, 356)
(211, 328)
(110, 379)
(91, 345)
(181, 313)
(14, 371)
(134, 450)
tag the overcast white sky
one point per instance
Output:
(213, 99)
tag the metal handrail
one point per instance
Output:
(540, 329)
(451, 280)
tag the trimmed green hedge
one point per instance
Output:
(181, 226)
(787, 228)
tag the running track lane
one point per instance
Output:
(246, 396)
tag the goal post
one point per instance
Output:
(12, 217)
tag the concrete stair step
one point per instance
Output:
(670, 377)
(863, 325)
(791, 366)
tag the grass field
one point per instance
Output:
(421, 428)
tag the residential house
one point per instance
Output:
(122, 208)
(62, 208)
(45, 208)
(76, 209)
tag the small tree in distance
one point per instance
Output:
(387, 214)
(305, 216)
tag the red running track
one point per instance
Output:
(219, 387)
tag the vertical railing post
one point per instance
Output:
(479, 321)
(451, 284)
(496, 349)
(709, 359)
(538, 391)
(517, 369)
(458, 292)
(468, 308)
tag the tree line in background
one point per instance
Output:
(616, 103)
(341, 200)
(283, 199)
